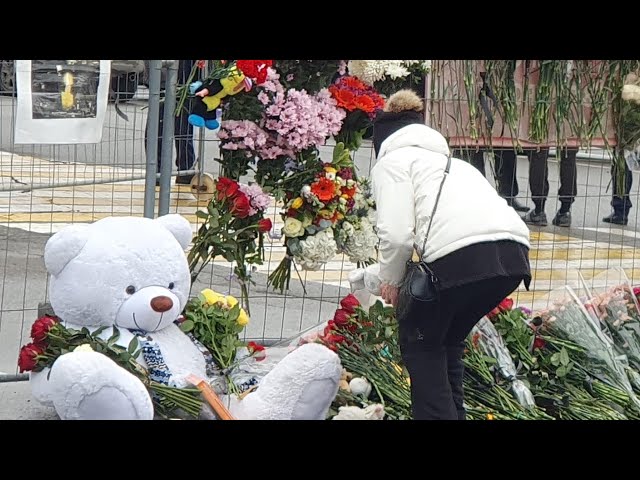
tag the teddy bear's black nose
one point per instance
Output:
(161, 304)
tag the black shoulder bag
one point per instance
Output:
(420, 287)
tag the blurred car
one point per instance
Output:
(126, 75)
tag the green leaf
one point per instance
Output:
(561, 371)
(99, 331)
(115, 336)
(555, 359)
(85, 331)
(201, 214)
(187, 325)
(564, 357)
(234, 313)
(133, 344)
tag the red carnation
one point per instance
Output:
(636, 291)
(240, 206)
(331, 326)
(28, 358)
(201, 63)
(504, 306)
(226, 188)
(334, 338)
(349, 303)
(257, 351)
(255, 69)
(264, 225)
(41, 327)
(341, 318)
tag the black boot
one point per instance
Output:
(562, 219)
(616, 219)
(538, 219)
(516, 205)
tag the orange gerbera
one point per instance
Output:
(364, 103)
(324, 189)
(344, 98)
(353, 82)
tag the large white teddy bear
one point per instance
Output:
(133, 273)
(365, 284)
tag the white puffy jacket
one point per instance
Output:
(405, 181)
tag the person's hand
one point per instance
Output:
(202, 93)
(389, 294)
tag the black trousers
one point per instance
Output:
(505, 164)
(539, 178)
(621, 204)
(432, 346)
(183, 133)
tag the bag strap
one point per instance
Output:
(435, 206)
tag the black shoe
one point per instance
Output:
(516, 205)
(616, 219)
(562, 219)
(184, 179)
(536, 219)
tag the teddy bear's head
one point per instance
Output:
(127, 271)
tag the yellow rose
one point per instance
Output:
(85, 347)
(231, 301)
(293, 228)
(330, 173)
(325, 214)
(243, 318)
(210, 296)
(297, 203)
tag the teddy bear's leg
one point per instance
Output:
(198, 112)
(90, 386)
(300, 387)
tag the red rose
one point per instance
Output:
(349, 303)
(341, 318)
(240, 206)
(506, 304)
(226, 188)
(538, 343)
(636, 291)
(334, 338)
(41, 327)
(265, 225)
(27, 360)
(257, 351)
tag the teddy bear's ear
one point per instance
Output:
(179, 227)
(64, 246)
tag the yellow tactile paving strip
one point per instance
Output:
(49, 210)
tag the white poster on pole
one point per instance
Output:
(61, 101)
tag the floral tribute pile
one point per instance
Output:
(571, 361)
(272, 135)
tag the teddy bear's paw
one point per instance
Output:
(90, 386)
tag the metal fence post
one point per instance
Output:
(168, 135)
(155, 67)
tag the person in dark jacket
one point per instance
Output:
(183, 131)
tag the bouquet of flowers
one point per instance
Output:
(568, 324)
(292, 123)
(234, 227)
(51, 339)
(361, 102)
(324, 197)
(216, 321)
(388, 76)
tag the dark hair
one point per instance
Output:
(387, 123)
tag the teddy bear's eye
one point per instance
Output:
(131, 290)
(171, 285)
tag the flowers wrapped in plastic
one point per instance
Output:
(485, 336)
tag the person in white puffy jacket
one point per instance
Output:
(478, 247)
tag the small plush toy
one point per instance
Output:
(209, 95)
(132, 272)
(365, 284)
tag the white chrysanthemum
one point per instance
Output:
(361, 244)
(397, 71)
(316, 250)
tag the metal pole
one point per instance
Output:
(168, 135)
(153, 118)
